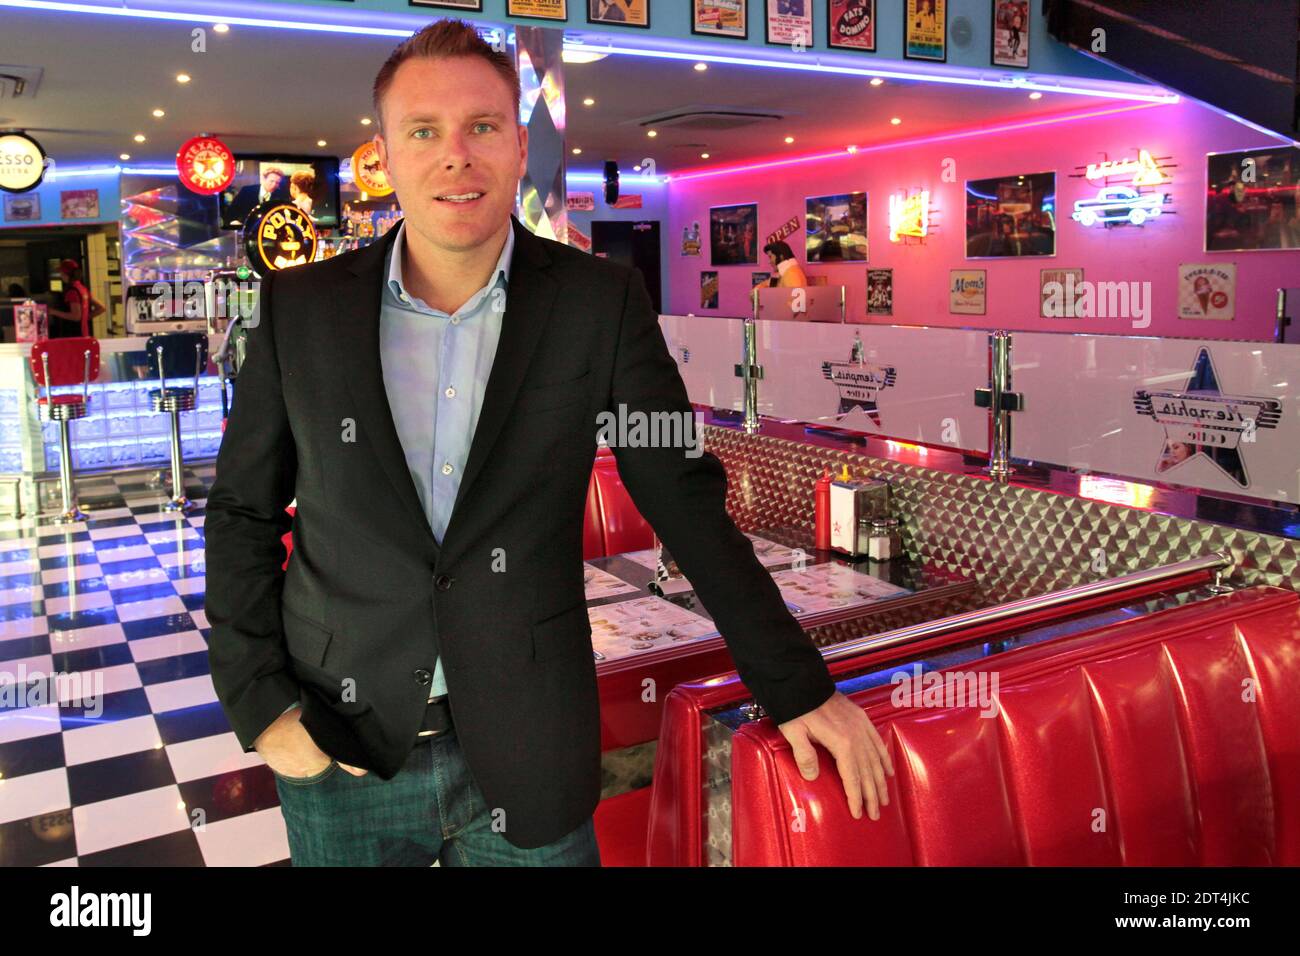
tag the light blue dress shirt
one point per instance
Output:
(436, 368)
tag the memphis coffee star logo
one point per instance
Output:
(860, 384)
(1202, 421)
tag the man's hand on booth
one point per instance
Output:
(860, 754)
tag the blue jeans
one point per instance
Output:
(431, 810)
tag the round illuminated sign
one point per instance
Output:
(279, 236)
(22, 162)
(368, 172)
(206, 165)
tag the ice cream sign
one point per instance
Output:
(1127, 193)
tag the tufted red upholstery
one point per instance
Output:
(1134, 744)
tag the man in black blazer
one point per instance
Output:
(373, 597)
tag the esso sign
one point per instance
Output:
(22, 162)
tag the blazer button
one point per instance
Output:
(442, 582)
(423, 677)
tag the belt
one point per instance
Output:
(437, 718)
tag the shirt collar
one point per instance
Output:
(785, 265)
(398, 288)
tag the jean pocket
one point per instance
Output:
(305, 781)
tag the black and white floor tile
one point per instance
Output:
(113, 747)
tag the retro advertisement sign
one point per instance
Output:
(368, 172)
(1207, 291)
(22, 162)
(279, 236)
(206, 165)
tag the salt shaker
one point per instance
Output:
(884, 541)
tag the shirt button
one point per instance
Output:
(423, 677)
(455, 320)
(404, 297)
(446, 468)
(442, 582)
(450, 392)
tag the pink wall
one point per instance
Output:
(1185, 131)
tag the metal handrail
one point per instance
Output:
(943, 625)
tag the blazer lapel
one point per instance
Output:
(530, 295)
(357, 351)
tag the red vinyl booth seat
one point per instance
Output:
(1168, 740)
(611, 525)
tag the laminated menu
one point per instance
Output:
(830, 586)
(642, 624)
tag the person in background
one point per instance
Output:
(80, 306)
(785, 267)
(301, 184)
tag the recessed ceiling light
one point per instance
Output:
(876, 81)
(852, 149)
(789, 139)
(182, 77)
(365, 121)
(588, 102)
(321, 142)
(221, 27)
(1035, 95)
(577, 150)
(651, 133)
(704, 155)
(701, 67)
(895, 121)
(159, 113)
(139, 137)
(637, 167)
(124, 156)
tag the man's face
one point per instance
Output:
(449, 128)
(271, 182)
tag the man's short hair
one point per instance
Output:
(444, 38)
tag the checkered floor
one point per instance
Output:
(113, 748)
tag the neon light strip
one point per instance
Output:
(622, 178)
(919, 141)
(686, 53)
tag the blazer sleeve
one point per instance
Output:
(257, 469)
(682, 493)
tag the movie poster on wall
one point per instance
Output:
(625, 13)
(79, 204)
(790, 22)
(1207, 290)
(691, 239)
(836, 228)
(719, 18)
(925, 30)
(708, 290)
(1011, 33)
(880, 292)
(967, 291)
(851, 24)
(540, 9)
(1252, 200)
(1011, 216)
(733, 235)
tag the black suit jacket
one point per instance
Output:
(370, 597)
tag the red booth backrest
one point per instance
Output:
(1165, 741)
(67, 360)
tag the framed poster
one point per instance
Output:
(79, 204)
(22, 208)
(475, 6)
(967, 291)
(1059, 292)
(733, 235)
(708, 290)
(880, 292)
(538, 9)
(925, 30)
(756, 277)
(1011, 33)
(1252, 200)
(836, 228)
(624, 13)
(1011, 216)
(789, 22)
(1207, 290)
(720, 18)
(691, 239)
(851, 24)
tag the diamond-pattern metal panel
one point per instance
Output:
(1013, 540)
(542, 197)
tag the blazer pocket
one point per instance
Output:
(307, 641)
(555, 394)
(564, 634)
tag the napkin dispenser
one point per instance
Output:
(850, 500)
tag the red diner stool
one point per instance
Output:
(176, 355)
(57, 363)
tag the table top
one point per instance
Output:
(628, 619)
